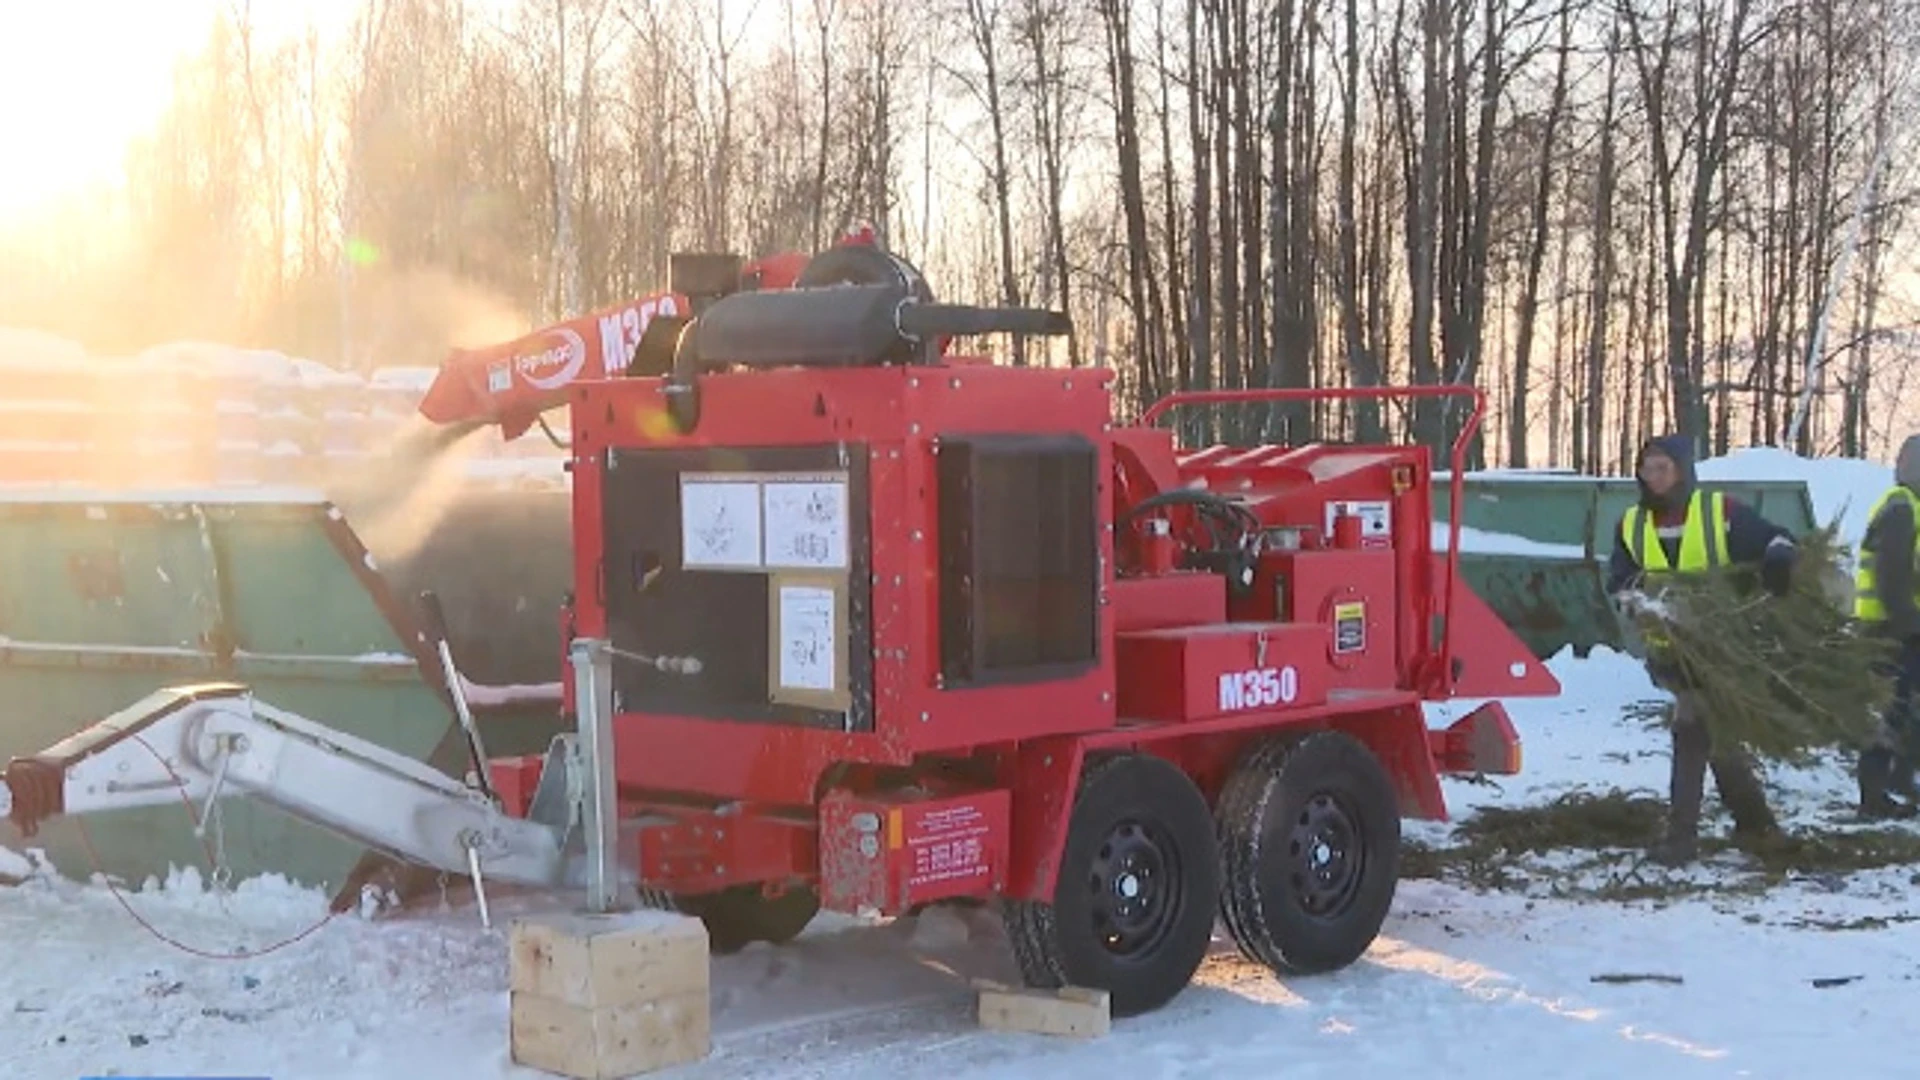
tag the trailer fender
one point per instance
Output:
(1398, 737)
(1045, 774)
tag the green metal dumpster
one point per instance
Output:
(105, 598)
(1555, 603)
(1551, 604)
(1582, 511)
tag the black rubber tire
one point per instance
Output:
(1288, 793)
(739, 916)
(1145, 804)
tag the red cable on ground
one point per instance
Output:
(93, 853)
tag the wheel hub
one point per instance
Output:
(1135, 887)
(1328, 856)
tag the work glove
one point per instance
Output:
(1630, 603)
(1622, 602)
(1628, 606)
(1776, 566)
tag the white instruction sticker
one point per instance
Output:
(807, 638)
(806, 523)
(719, 522)
(1376, 520)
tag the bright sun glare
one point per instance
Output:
(81, 79)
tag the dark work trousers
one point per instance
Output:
(1734, 775)
(1900, 711)
(1889, 764)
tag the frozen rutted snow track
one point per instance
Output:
(1460, 985)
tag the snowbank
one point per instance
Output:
(1571, 476)
(1840, 487)
(1843, 488)
(543, 470)
(161, 496)
(414, 380)
(481, 696)
(33, 349)
(317, 375)
(1484, 542)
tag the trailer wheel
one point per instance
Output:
(739, 916)
(1139, 883)
(1310, 847)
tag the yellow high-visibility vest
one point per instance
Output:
(1703, 544)
(1866, 597)
(1703, 540)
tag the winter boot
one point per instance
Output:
(1745, 798)
(1678, 848)
(1879, 771)
(1901, 780)
(1755, 828)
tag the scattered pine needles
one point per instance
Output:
(1591, 845)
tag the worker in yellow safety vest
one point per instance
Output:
(1675, 528)
(1885, 587)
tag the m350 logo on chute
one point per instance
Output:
(620, 330)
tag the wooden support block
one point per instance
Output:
(1073, 1011)
(599, 961)
(597, 997)
(612, 1042)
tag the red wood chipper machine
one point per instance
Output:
(863, 626)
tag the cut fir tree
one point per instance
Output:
(1785, 677)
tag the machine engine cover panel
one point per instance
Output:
(728, 605)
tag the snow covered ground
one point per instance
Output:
(1815, 973)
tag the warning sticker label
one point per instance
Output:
(1376, 520)
(1349, 627)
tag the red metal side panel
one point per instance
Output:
(1191, 673)
(1046, 776)
(765, 763)
(696, 850)
(1181, 599)
(897, 413)
(1483, 741)
(1353, 593)
(516, 779)
(980, 401)
(891, 851)
(1489, 659)
(1399, 738)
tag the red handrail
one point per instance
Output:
(1456, 460)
